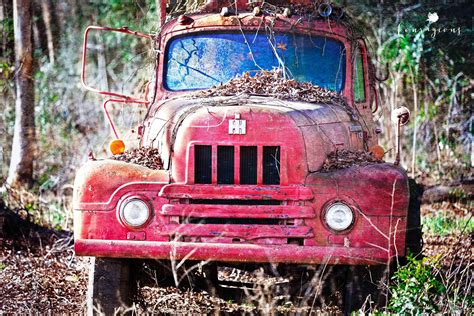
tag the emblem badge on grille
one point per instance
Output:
(237, 126)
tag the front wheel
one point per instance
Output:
(414, 238)
(110, 287)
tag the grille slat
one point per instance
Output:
(202, 164)
(231, 221)
(248, 165)
(234, 202)
(271, 164)
(225, 165)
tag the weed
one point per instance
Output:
(48, 209)
(415, 287)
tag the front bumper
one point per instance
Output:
(230, 252)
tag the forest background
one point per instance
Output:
(427, 64)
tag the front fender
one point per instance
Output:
(100, 184)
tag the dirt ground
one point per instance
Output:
(40, 274)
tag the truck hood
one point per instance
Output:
(303, 113)
(318, 128)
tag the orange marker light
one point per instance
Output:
(377, 151)
(117, 146)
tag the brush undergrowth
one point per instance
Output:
(446, 222)
(436, 284)
(47, 208)
(415, 287)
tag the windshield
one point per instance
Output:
(203, 60)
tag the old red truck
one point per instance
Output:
(242, 178)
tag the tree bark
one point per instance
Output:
(3, 18)
(48, 23)
(6, 14)
(22, 157)
(450, 192)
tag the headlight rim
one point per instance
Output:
(121, 206)
(326, 208)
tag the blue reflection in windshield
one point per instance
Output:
(204, 60)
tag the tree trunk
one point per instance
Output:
(48, 23)
(3, 18)
(415, 123)
(464, 190)
(21, 163)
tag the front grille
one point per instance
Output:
(248, 165)
(203, 164)
(248, 159)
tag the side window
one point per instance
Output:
(359, 84)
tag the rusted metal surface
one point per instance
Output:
(316, 129)
(244, 232)
(378, 193)
(230, 252)
(238, 211)
(100, 184)
(232, 192)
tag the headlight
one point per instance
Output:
(339, 216)
(134, 212)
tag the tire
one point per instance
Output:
(366, 287)
(207, 280)
(414, 238)
(110, 286)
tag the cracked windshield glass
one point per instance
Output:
(204, 60)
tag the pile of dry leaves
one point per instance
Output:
(143, 156)
(456, 249)
(39, 272)
(345, 158)
(171, 300)
(272, 83)
(44, 281)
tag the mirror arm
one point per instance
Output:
(84, 61)
(400, 116)
(107, 115)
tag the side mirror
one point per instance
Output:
(121, 59)
(401, 116)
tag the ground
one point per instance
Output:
(39, 272)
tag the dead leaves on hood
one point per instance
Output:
(144, 156)
(272, 83)
(345, 158)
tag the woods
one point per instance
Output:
(50, 126)
(419, 61)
